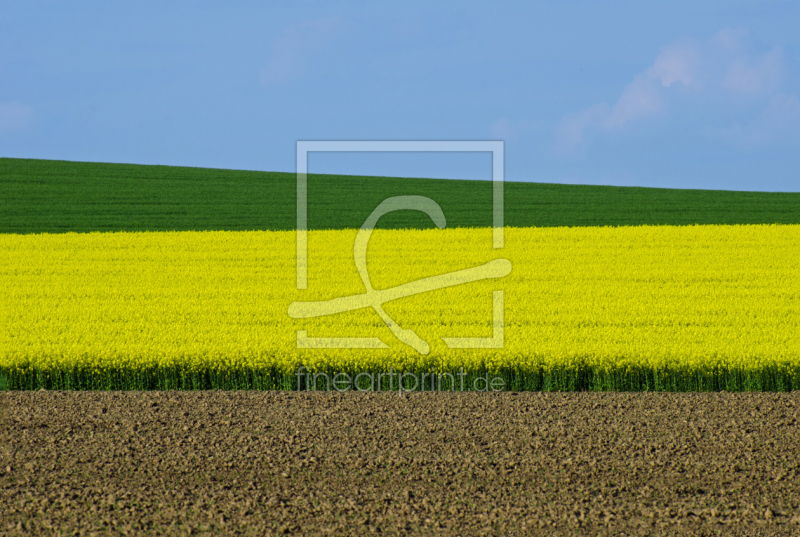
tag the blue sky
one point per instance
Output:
(674, 94)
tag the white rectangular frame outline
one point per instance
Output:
(304, 147)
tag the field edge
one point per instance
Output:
(768, 379)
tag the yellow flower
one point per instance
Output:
(686, 300)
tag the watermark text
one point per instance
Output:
(391, 381)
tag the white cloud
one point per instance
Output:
(571, 128)
(640, 99)
(677, 63)
(505, 129)
(289, 50)
(731, 39)
(778, 123)
(724, 64)
(15, 117)
(755, 75)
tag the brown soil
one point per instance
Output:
(445, 464)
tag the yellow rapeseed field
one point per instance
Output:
(694, 299)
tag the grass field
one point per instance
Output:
(38, 196)
(612, 288)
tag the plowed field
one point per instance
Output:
(445, 464)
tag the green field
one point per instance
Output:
(40, 196)
(58, 196)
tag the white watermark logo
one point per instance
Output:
(405, 382)
(375, 299)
